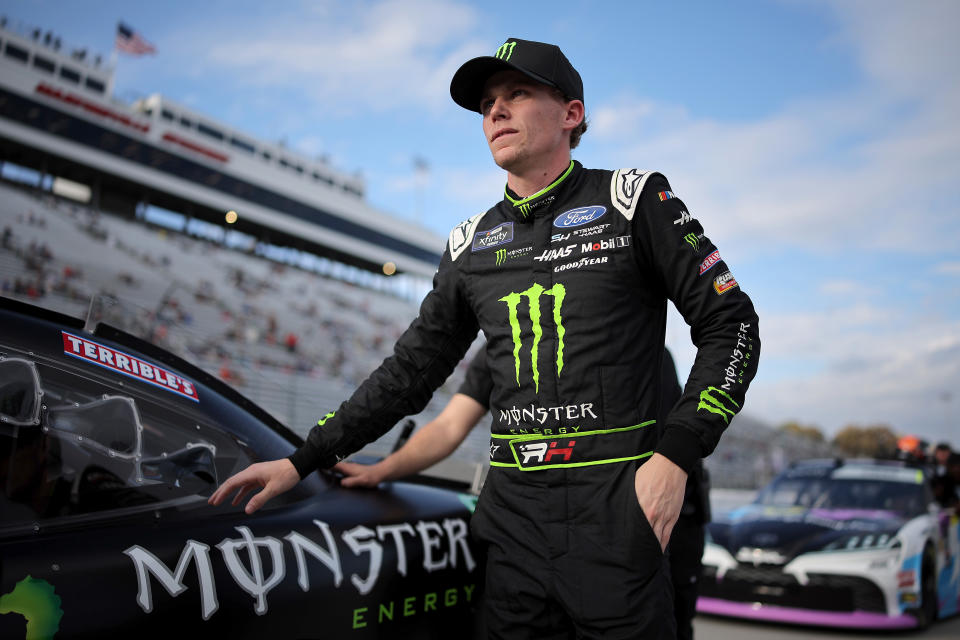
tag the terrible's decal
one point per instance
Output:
(124, 363)
(709, 262)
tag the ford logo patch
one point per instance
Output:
(579, 216)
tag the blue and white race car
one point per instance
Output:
(858, 543)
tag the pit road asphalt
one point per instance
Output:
(716, 628)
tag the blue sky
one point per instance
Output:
(818, 143)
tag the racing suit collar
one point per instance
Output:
(523, 207)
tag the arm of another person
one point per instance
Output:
(438, 438)
(433, 442)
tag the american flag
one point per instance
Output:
(129, 41)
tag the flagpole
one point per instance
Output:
(112, 61)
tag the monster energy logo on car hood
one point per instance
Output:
(558, 291)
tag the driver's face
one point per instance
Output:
(522, 121)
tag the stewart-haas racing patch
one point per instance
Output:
(108, 358)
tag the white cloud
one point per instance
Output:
(842, 173)
(947, 268)
(910, 47)
(904, 390)
(851, 170)
(858, 363)
(384, 55)
(840, 287)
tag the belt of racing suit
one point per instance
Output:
(536, 451)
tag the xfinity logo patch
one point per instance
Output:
(579, 216)
(501, 234)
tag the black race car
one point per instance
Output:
(109, 448)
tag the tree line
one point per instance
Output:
(870, 441)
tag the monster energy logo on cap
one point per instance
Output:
(693, 241)
(501, 256)
(505, 51)
(558, 291)
(539, 61)
(718, 405)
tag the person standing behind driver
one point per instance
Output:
(568, 277)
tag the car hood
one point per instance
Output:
(786, 532)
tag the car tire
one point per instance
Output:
(927, 612)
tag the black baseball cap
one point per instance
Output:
(539, 61)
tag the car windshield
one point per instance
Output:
(827, 492)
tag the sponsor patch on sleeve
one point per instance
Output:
(724, 282)
(709, 262)
(123, 363)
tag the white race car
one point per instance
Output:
(858, 543)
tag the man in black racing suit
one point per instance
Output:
(568, 278)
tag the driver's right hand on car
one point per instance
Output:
(273, 477)
(359, 475)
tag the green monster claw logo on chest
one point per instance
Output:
(533, 294)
